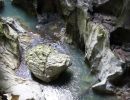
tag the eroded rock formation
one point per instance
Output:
(12, 36)
(11, 86)
(96, 26)
(90, 24)
(9, 46)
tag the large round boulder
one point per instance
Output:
(46, 63)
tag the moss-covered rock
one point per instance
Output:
(46, 63)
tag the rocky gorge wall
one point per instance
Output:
(12, 86)
(93, 25)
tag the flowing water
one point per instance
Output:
(11, 11)
(75, 83)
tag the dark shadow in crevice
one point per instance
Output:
(47, 6)
(121, 79)
(119, 36)
(120, 43)
(111, 7)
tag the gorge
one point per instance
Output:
(93, 33)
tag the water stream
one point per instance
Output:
(75, 82)
(12, 11)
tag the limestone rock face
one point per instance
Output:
(102, 60)
(9, 53)
(14, 24)
(46, 63)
